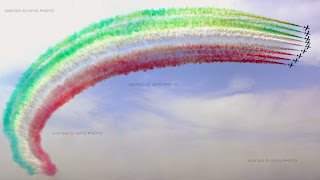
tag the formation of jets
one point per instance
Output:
(306, 47)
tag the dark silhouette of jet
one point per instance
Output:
(306, 27)
(290, 65)
(307, 33)
(303, 51)
(307, 38)
(299, 56)
(295, 60)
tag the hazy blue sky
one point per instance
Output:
(207, 127)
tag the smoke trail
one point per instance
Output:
(141, 40)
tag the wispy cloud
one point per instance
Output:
(166, 134)
(287, 113)
(173, 136)
(178, 136)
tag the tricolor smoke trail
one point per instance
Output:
(142, 40)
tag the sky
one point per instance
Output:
(208, 125)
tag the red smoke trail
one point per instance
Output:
(133, 62)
